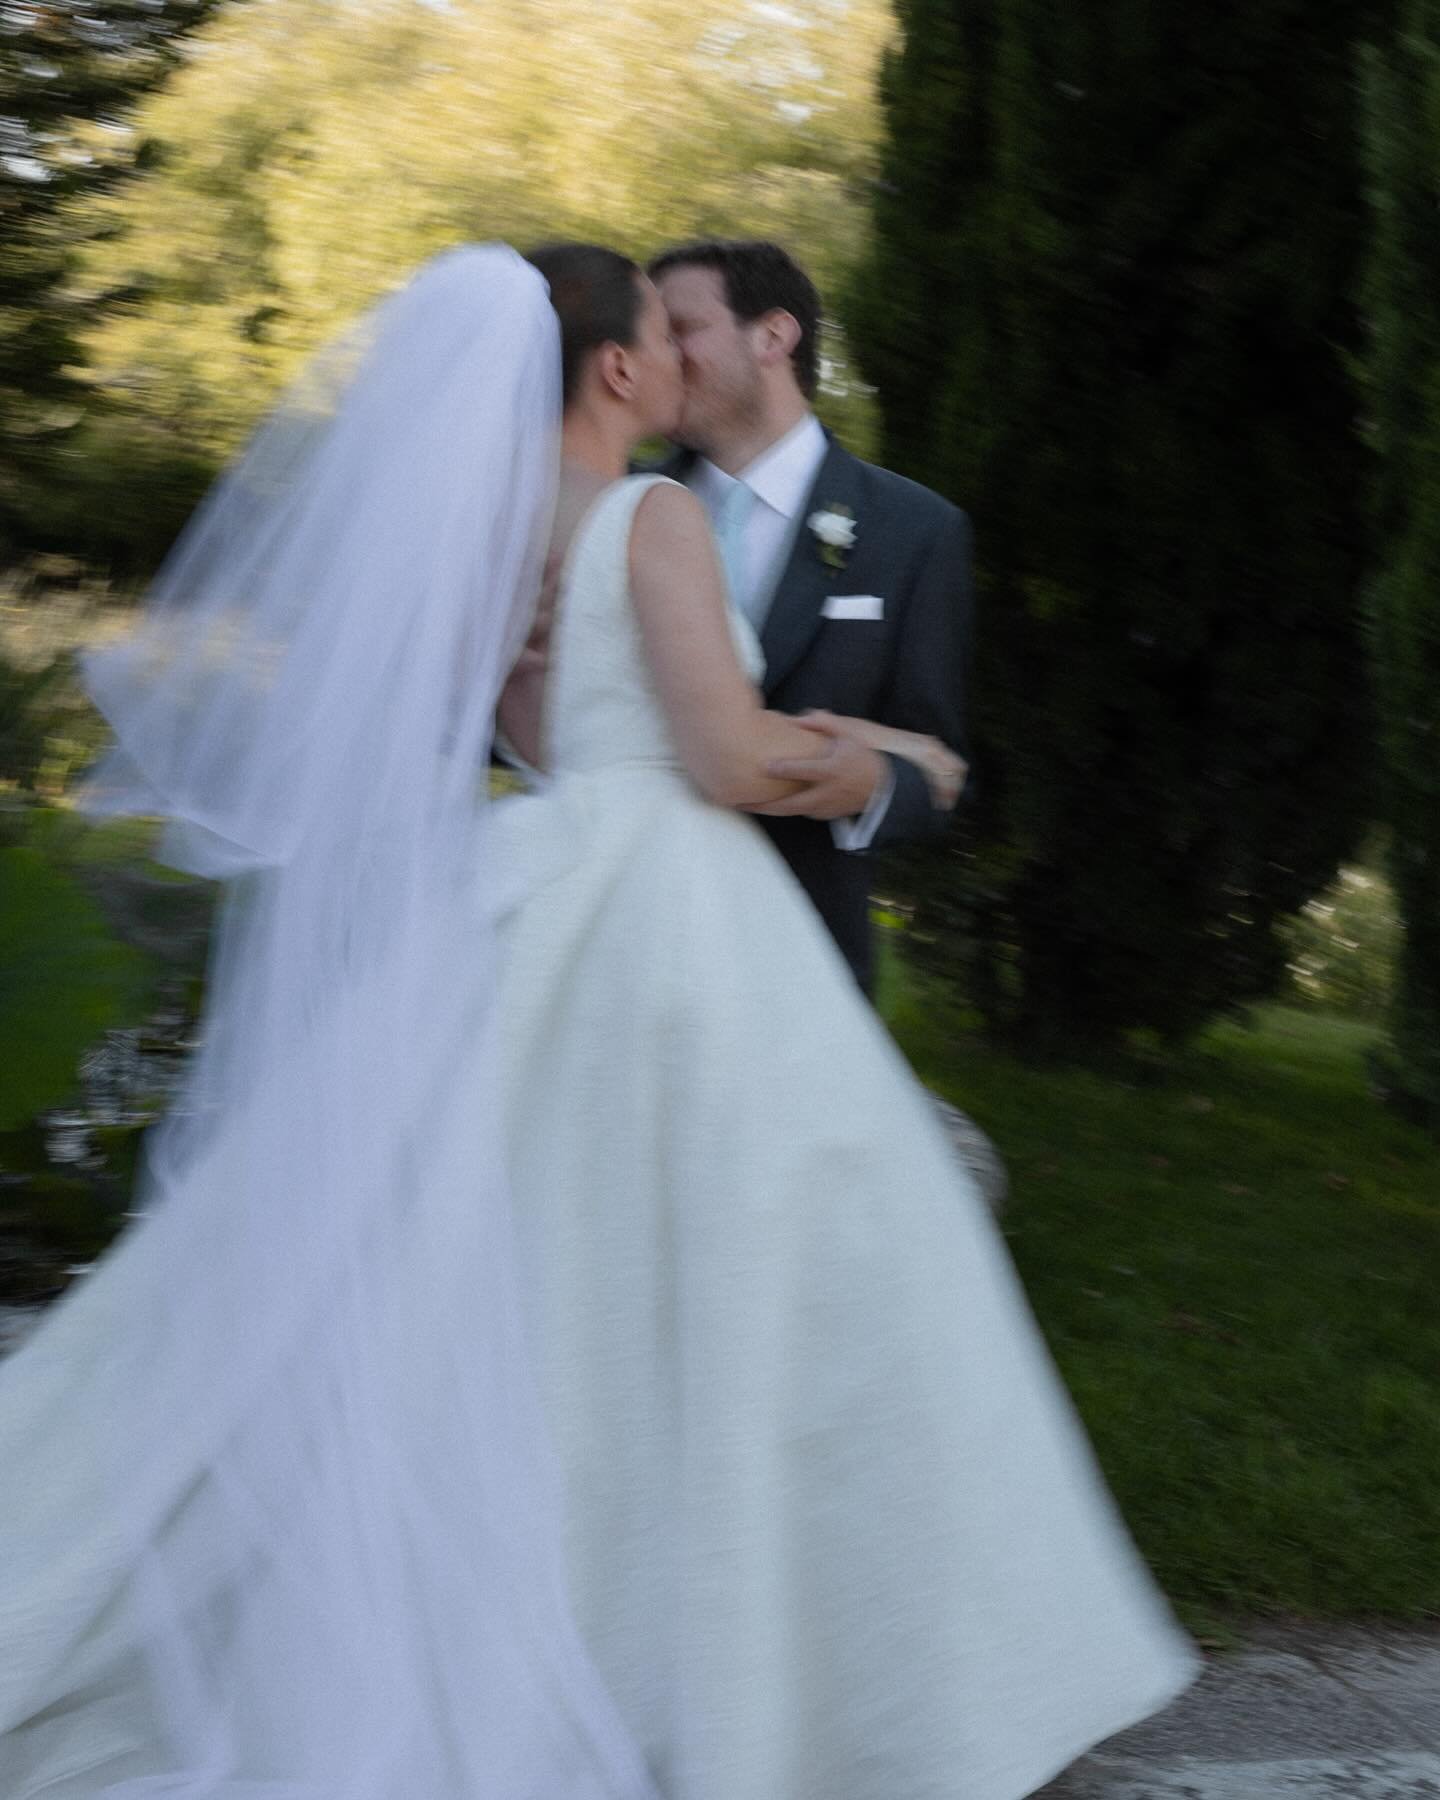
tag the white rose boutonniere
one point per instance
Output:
(834, 529)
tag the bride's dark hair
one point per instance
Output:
(596, 293)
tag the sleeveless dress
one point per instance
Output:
(834, 1530)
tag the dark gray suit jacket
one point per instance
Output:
(907, 668)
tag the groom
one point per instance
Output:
(857, 580)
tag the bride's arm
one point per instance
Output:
(944, 771)
(725, 736)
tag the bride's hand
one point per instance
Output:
(837, 779)
(944, 771)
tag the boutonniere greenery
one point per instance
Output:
(834, 529)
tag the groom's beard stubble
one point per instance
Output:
(720, 412)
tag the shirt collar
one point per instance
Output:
(783, 474)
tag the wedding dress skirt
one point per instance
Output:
(835, 1532)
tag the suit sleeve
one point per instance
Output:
(928, 690)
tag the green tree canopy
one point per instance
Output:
(309, 155)
(1109, 309)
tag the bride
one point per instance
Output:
(559, 1357)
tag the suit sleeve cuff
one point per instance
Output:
(858, 834)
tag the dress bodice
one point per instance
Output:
(601, 708)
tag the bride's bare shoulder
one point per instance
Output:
(669, 522)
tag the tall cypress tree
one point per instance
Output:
(64, 66)
(1109, 309)
(1402, 91)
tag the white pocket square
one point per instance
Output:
(853, 606)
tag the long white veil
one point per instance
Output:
(281, 1522)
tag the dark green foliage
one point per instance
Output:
(65, 976)
(64, 980)
(28, 698)
(97, 937)
(1109, 310)
(66, 69)
(1403, 298)
(120, 490)
(48, 728)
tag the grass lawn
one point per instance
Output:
(1238, 1271)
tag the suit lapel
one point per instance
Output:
(806, 581)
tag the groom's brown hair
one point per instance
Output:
(758, 277)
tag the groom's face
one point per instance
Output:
(724, 394)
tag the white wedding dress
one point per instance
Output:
(830, 1527)
(834, 1531)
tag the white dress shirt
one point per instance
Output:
(781, 479)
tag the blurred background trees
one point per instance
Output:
(1402, 301)
(1126, 242)
(1150, 294)
(69, 73)
(302, 161)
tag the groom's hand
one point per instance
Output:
(839, 779)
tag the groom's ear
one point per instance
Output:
(777, 334)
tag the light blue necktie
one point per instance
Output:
(731, 517)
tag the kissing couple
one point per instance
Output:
(559, 1356)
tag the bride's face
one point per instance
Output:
(655, 359)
